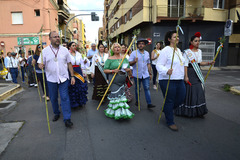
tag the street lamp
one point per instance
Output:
(94, 17)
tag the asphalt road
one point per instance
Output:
(96, 137)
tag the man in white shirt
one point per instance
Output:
(13, 67)
(56, 60)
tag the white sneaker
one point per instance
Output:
(31, 84)
(154, 87)
(35, 85)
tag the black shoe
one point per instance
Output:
(68, 123)
(151, 106)
(55, 118)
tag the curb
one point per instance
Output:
(10, 92)
(234, 90)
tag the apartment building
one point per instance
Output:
(155, 17)
(22, 20)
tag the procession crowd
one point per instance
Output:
(68, 71)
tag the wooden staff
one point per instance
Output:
(137, 78)
(175, 47)
(35, 74)
(219, 50)
(45, 95)
(115, 73)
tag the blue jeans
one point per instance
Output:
(14, 74)
(146, 83)
(65, 102)
(154, 73)
(175, 97)
(22, 70)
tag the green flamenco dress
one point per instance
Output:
(117, 107)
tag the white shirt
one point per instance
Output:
(154, 62)
(78, 60)
(197, 56)
(21, 63)
(56, 71)
(164, 64)
(96, 58)
(13, 62)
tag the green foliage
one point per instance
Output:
(226, 87)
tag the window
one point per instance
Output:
(17, 18)
(37, 12)
(208, 50)
(176, 8)
(218, 4)
(130, 14)
(125, 18)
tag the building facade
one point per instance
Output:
(154, 18)
(21, 22)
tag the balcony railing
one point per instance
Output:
(62, 7)
(179, 11)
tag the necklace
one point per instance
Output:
(55, 59)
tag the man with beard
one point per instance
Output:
(56, 60)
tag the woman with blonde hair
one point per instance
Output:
(117, 107)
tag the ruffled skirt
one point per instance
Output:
(118, 107)
(78, 91)
(195, 103)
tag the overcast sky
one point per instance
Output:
(89, 5)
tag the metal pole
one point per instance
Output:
(65, 30)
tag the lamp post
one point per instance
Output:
(94, 17)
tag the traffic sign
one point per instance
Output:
(26, 40)
(149, 40)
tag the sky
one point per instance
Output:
(88, 6)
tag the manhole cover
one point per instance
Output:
(5, 104)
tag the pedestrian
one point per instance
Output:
(117, 107)
(56, 60)
(39, 71)
(154, 57)
(22, 64)
(195, 102)
(6, 61)
(31, 74)
(13, 66)
(97, 73)
(176, 90)
(78, 91)
(144, 70)
(92, 52)
(128, 79)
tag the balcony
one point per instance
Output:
(174, 12)
(63, 12)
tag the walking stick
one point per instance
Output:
(115, 73)
(35, 75)
(219, 50)
(175, 46)
(137, 78)
(44, 82)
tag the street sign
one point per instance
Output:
(26, 40)
(149, 40)
(155, 34)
